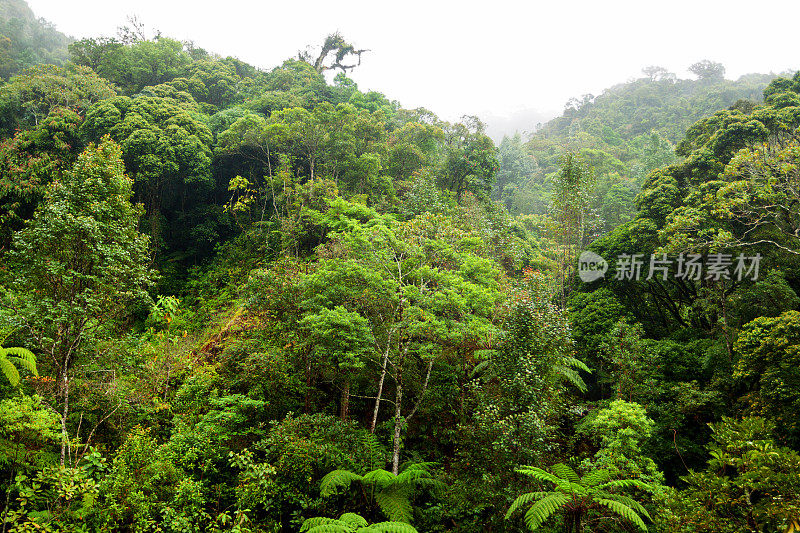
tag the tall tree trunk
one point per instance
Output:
(380, 387)
(64, 413)
(398, 426)
(398, 417)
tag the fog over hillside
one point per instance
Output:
(523, 121)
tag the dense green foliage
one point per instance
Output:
(243, 300)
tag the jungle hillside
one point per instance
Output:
(263, 299)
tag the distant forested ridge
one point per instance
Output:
(623, 134)
(255, 300)
(26, 40)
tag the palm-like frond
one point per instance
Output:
(624, 511)
(419, 465)
(479, 368)
(333, 527)
(10, 371)
(589, 490)
(379, 478)
(565, 472)
(574, 362)
(525, 499)
(541, 475)
(321, 524)
(337, 479)
(596, 477)
(392, 527)
(625, 484)
(572, 376)
(564, 485)
(352, 523)
(633, 504)
(394, 502)
(544, 508)
(9, 357)
(353, 520)
(419, 475)
(432, 484)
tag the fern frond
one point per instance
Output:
(374, 450)
(331, 528)
(624, 511)
(562, 484)
(479, 368)
(434, 485)
(596, 477)
(10, 371)
(574, 362)
(393, 527)
(412, 475)
(626, 484)
(380, 478)
(321, 524)
(525, 499)
(395, 504)
(419, 465)
(571, 376)
(333, 481)
(19, 356)
(541, 475)
(630, 502)
(26, 364)
(565, 472)
(541, 510)
(353, 520)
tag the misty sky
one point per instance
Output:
(494, 59)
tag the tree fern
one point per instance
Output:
(395, 503)
(596, 477)
(575, 495)
(565, 472)
(523, 500)
(9, 357)
(390, 527)
(352, 523)
(541, 510)
(338, 479)
(633, 504)
(624, 511)
(380, 478)
(392, 494)
(354, 520)
(540, 474)
(568, 368)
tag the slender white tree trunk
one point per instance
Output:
(380, 387)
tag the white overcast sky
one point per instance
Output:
(491, 58)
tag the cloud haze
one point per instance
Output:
(488, 58)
